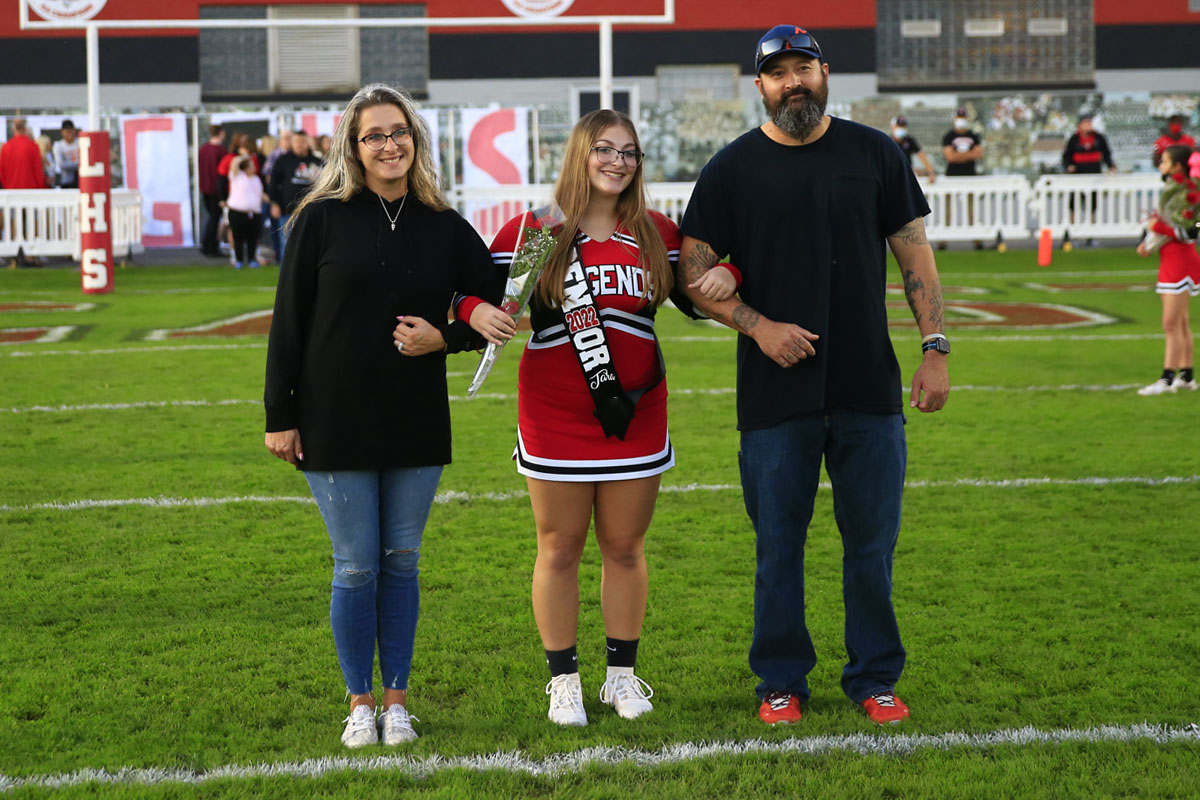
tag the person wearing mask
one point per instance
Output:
(211, 193)
(908, 145)
(291, 176)
(1086, 153)
(962, 147)
(963, 150)
(355, 392)
(1173, 135)
(66, 157)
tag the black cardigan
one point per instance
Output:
(333, 370)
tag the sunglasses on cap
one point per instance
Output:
(800, 41)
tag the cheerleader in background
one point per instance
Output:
(1172, 232)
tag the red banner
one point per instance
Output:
(95, 213)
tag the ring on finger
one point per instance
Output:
(399, 346)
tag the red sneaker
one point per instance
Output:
(885, 708)
(780, 708)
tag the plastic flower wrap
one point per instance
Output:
(535, 242)
(1179, 207)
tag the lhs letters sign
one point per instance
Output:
(95, 213)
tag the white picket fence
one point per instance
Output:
(45, 222)
(962, 208)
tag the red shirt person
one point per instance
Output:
(1173, 136)
(21, 160)
(1086, 150)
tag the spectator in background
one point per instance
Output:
(210, 155)
(963, 150)
(243, 147)
(284, 145)
(961, 146)
(291, 177)
(1172, 136)
(324, 142)
(47, 148)
(245, 205)
(66, 157)
(1086, 150)
(909, 146)
(21, 165)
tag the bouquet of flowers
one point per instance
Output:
(1178, 207)
(534, 245)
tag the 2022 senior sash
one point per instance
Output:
(585, 331)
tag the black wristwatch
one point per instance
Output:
(935, 341)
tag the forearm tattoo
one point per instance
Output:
(744, 318)
(924, 300)
(699, 261)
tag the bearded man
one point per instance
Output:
(803, 206)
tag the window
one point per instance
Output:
(313, 59)
(698, 82)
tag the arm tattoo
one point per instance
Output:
(912, 285)
(699, 261)
(744, 318)
(913, 233)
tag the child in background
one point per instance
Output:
(245, 202)
(1172, 231)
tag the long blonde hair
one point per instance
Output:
(342, 176)
(572, 193)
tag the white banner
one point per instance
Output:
(3, 130)
(495, 148)
(155, 155)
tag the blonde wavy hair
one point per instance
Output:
(572, 193)
(342, 176)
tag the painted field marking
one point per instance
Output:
(454, 496)
(556, 764)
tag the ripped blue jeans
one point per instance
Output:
(375, 520)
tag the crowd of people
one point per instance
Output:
(377, 255)
(276, 172)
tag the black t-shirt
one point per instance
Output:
(908, 145)
(332, 367)
(961, 141)
(806, 225)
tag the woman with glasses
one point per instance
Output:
(356, 379)
(592, 402)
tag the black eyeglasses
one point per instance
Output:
(377, 141)
(799, 41)
(609, 155)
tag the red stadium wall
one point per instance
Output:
(689, 14)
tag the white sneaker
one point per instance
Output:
(1160, 386)
(1180, 383)
(395, 725)
(360, 727)
(566, 700)
(628, 694)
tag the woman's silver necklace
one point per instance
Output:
(390, 218)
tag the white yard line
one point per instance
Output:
(557, 764)
(720, 390)
(454, 496)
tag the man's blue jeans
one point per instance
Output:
(279, 229)
(375, 521)
(865, 457)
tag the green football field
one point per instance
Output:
(164, 582)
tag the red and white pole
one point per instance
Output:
(95, 213)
